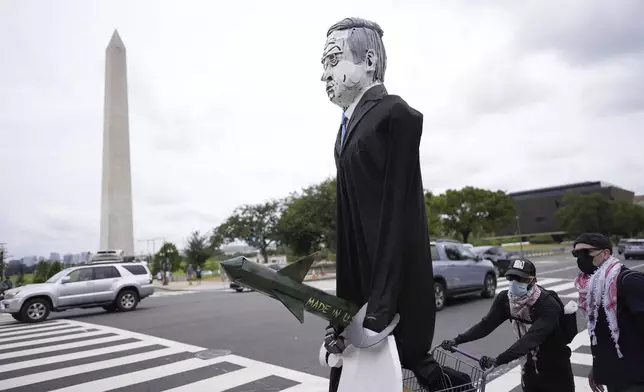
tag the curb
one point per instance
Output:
(166, 288)
(161, 288)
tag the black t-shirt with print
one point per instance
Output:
(608, 368)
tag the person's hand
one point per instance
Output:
(487, 362)
(448, 345)
(591, 381)
(333, 342)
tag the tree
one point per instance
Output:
(45, 270)
(167, 253)
(21, 275)
(433, 207)
(628, 218)
(40, 273)
(474, 210)
(197, 251)
(309, 219)
(254, 224)
(581, 213)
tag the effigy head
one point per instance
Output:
(354, 58)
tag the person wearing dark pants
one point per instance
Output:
(611, 297)
(535, 315)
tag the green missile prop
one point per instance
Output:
(286, 286)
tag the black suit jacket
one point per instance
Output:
(383, 251)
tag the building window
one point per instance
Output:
(540, 219)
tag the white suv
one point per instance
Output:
(112, 286)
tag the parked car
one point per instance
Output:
(112, 286)
(634, 249)
(447, 240)
(239, 288)
(458, 271)
(621, 245)
(497, 255)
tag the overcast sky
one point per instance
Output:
(227, 106)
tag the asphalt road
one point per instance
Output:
(254, 326)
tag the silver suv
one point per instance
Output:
(112, 286)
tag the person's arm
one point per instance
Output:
(496, 316)
(547, 319)
(401, 161)
(633, 292)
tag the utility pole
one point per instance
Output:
(520, 236)
(2, 256)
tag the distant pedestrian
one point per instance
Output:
(190, 274)
(198, 275)
(611, 297)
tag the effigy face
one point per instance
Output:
(345, 77)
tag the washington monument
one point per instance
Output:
(116, 196)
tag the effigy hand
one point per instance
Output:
(333, 342)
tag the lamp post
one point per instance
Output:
(520, 236)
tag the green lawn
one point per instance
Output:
(28, 278)
(544, 247)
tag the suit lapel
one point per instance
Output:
(368, 101)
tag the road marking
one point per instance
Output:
(68, 357)
(72, 371)
(558, 270)
(562, 287)
(101, 358)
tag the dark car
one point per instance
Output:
(240, 288)
(497, 255)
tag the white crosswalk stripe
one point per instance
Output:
(69, 355)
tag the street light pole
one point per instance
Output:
(520, 236)
(2, 256)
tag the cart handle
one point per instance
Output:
(457, 350)
(466, 354)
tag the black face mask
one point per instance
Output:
(585, 263)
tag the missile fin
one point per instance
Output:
(294, 306)
(298, 270)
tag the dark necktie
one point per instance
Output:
(344, 129)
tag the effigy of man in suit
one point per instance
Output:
(383, 251)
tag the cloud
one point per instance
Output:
(227, 108)
(585, 32)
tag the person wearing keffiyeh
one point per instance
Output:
(611, 298)
(534, 314)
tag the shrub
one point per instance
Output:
(541, 239)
